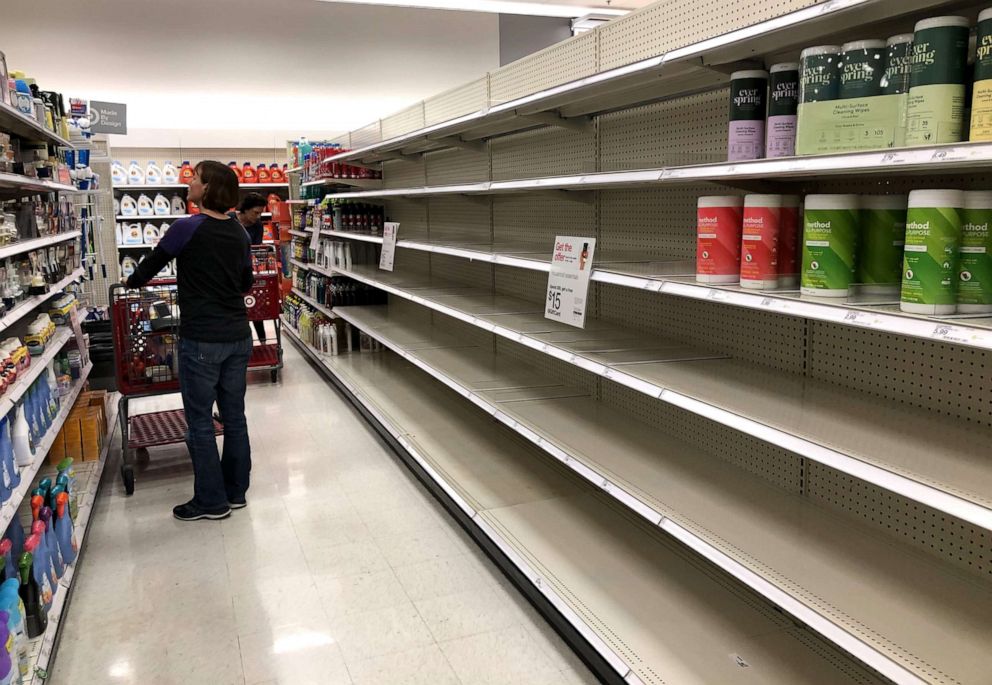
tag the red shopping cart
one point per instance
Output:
(264, 304)
(146, 363)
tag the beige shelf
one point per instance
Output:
(874, 596)
(654, 611)
(935, 460)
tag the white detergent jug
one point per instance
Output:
(145, 206)
(135, 174)
(117, 207)
(118, 174)
(132, 234)
(153, 174)
(177, 206)
(151, 235)
(118, 233)
(128, 266)
(170, 175)
(128, 206)
(161, 205)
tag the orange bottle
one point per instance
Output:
(237, 170)
(192, 207)
(276, 174)
(186, 173)
(263, 174)
(248, 174)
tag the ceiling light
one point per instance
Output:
(535, 9)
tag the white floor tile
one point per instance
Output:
(342, 569)
(421, 666)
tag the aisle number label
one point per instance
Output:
(389, 231)
(568, 280)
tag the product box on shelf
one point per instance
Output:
(84, 431)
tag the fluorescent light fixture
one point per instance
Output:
(534, 9)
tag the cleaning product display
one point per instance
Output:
(151, 174)
(930, 257)
(145, 207)
(718, 238)
(316, 160)
(332, 291)
(937, 84)
(830, 244)
(783, 103)
(748, 109)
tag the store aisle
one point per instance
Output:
(341, 570)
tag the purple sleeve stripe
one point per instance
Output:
(179, 234)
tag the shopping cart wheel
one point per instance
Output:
(274, 375)
(141, 453)
(127, 475)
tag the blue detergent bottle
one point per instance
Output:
(11, 471)
(47, 517)
(43, 560)
(65, 529)
(10, 601)
(15, 533)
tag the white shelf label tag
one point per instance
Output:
(951, 334)
(389, 231)
(568, 280)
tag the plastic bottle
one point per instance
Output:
(21, 436)
(7, 460)
(32, 591)
(128, 206)
(47, 517)
(883, 234)
(8, 656)
(186, 173)
(975, 262)
(759, 243)
(248, 174)
(237, 170)
(150, 234)
(153, 173)
(263, 175)
(64, 528)
(170, 175)
(145, 206)
(135, 174)
(118, 174)
(748, 108)
(161, 205)
(10, 601)
(937, 81)
(128, 265)
(933, 238)
(177, 205)
(44, 549)
(718, 238)
(275, 174)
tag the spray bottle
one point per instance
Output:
(31, 592)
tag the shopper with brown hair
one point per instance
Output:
(213, 267)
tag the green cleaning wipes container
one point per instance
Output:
(975, 255)
(830, 244)
(933, 237)
(935, 110)
(883, 234)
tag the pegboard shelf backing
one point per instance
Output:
(805, 441)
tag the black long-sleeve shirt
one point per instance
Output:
(213, 271)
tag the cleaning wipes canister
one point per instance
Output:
(790, 226)
(819, 75)
(981, 99)
(783, 101)
(883, 234)
(895, 80)
(718, 238)
(862, 68)
(830, 243)
(933, 238)
(759, 241)
(937, 81)
(975, 255)
(748, 100)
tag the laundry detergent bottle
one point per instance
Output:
(170, 175)
(248, 174)
(47, 517)
(118, 174)
(10, 601)
(128, 206)
(275, 173)
(237, 171)
(45, 551)
(177, 205)
(263, 174)
(186, 173)
(161, 205)
(145, 206)
(135, 174)
(153, 174)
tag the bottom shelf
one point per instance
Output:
(649, 608)
(88, 475)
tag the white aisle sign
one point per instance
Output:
(568, 281)
(389, 231)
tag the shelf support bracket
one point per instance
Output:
(577, 124)
(399, 156)
(461, 144)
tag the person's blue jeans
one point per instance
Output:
(209, 372)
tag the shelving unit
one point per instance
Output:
(828, 456)
(13, 122)
(28, 305)
(37, 243)
(559, 534)
(326, 311)
(17, 182)
(150, 217)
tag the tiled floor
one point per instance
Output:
(341, 570)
